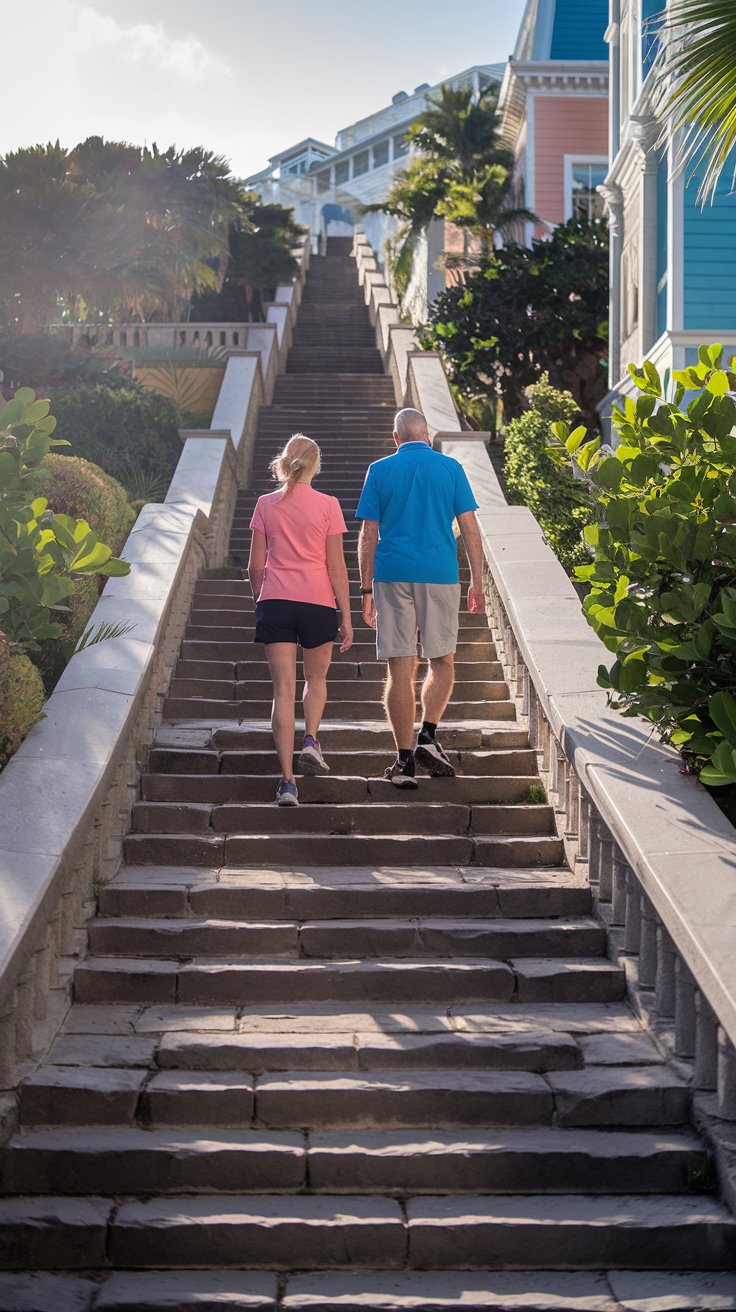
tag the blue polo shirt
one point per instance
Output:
(415, 495)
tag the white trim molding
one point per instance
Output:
(570, 162)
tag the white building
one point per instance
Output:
(326, 185)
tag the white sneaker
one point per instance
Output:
(311, 760)
(431, 756)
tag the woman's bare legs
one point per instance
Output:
(316, 662)
(282, 664)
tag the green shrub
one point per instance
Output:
(83, 490)
(43, 556)
(559, 502)
(21, 698)
(663, 574)
(120, 427)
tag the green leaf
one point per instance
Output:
(722, 707)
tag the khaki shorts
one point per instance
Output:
(402, 608)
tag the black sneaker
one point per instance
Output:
(401, 776)
(431, 756)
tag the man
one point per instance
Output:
(409, 580)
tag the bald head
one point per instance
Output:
(410, 426)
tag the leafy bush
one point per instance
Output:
(530, 311)
(120, 427)
(559, 502)
(663, 574)
(48, 360)
(83, 490)
(21, 698)
(79, 488)
(43, 556)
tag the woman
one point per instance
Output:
(297, 570)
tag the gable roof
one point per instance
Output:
(566, 30)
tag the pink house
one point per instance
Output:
(554, 109)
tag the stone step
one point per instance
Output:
(365, 939)
(339, 689)
(273, 1232)
(211, 981)
(210, 849)
(238, 609)
(183, 708)
(370, 670)
(215, 631)
(536, 1160)
(339, 893)
(354, 735)
(338, 787)
(416, 816)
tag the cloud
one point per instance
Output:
(149, 43)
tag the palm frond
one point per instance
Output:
(699, 40)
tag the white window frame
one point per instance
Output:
(574, 161)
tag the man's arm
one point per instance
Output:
(367, 543)
(470, 533)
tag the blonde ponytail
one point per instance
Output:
(300, 455)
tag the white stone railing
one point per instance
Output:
(658, 853)
(66, 795)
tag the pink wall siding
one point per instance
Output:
(564, 125)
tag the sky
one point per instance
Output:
(244, 78)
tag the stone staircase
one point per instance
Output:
(367, 1053)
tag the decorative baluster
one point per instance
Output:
(605, 885)
(706, 1044)
(684, 1010)
(618, 894)
(647, 945)
(726, 1076)
(664, 988)
(584, 843)
(632, 925)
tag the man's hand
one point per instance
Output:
(476, 600)
(369, 610)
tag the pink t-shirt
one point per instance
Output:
(296, 529)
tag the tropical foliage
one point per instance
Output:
(43, 556)
(530, 312)
(122, 429)
(21, 698)
(560, 503)
(662, 576)
(259, 260)
(699, 84)
(459, 172)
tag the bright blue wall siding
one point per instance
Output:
(650, 35)
(710, 258)
(662, 260)
(578, 29)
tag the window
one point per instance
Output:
(342, 171)
(323, 180)
(361, 163)
(583, 177)
(401, 146)
(380, 154)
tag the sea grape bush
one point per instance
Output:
(662, 573)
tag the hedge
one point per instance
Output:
(21, 698)
(123, 429)
(559, 502)
(83, 490)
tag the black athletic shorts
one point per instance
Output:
(295, 621)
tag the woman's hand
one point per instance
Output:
(345, 634)
(369, 610)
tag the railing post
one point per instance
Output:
(726, 1077)
(706, 1045)
(647, 945)
(664, 988)
(684, 1010)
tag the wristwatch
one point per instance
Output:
(367, 592)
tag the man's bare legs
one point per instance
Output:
(400, 699)
(282, 664)
(437, 687)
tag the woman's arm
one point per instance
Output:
(338, 572)
(257, 561)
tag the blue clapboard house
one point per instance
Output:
(673, 263)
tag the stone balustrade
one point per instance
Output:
(658, 853)
(66, 795)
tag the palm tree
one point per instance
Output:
(699, 38)
(460, 172)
